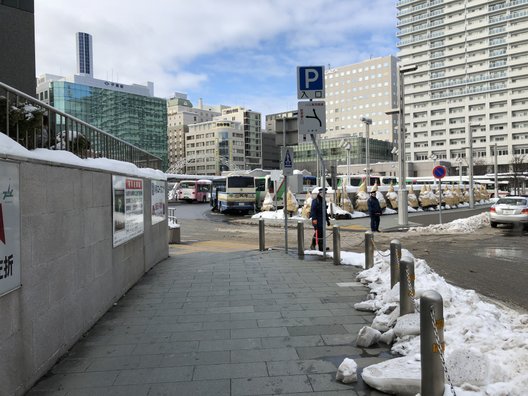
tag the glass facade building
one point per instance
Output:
(139, 120)
(334, 153)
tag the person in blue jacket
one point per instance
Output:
(374, 209)
(316, 214)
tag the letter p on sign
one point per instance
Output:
(310, 82)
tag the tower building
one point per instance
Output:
(84, 54)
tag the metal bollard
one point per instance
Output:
(395, 257)
(261, 235)
(431, 326)
(406, 287)
(300, 239)
(369, 249)
(337, 245)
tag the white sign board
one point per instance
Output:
(158, 197)
(310, 82)
(9, 227)
(287, 163)
(275, 175)
(128, 208)
(311, 117)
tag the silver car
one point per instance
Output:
(510, 210)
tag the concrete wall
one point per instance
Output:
(70, 273)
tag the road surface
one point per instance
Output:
(494, 262)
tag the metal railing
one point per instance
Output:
(35, 124)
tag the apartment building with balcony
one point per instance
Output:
(364, 89)
(471, 78)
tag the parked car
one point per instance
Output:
(510, 210)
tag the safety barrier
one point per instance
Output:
(262, 242)
(337, 245)
(300, 239)
(174, 227)
(430, 308)
(432, 346)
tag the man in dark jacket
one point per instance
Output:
(316, 214)
(374, 209)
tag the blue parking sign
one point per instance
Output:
(310, 82)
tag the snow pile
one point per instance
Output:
(491, 343)
(486, 346)
(279, 214)
(469, 224)
(275, 215)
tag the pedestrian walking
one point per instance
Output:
(316, 214)
(374, 209)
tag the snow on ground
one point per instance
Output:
(469, 224)
(486, 345)
(279, 215)
(275, 215)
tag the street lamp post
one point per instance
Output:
(459, 161)
(348, 147)
(470, 166)
(367, 122)
(403, 207)
(434, 157)
(285, 193)
(495, 170)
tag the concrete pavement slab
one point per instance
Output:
(226, 322)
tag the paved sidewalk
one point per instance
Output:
(231, 323)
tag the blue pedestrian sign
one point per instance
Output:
(287, 165)
(310, 82)
(439, 171)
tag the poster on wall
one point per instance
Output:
(127, 196)
(9, 227)
(158, 201)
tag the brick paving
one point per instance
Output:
(236, 322)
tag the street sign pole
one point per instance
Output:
(439, 173)
(312, 117)
(440, 207)
(285, 196)
(287, 169)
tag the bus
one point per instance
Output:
(239, 195)
(194, 190)
(218, 185)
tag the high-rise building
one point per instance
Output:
(17, 45)
(84, 54)
(364, 89)
(181, 114)
(129, 112)
(471, 81)
(251, 125)
(215, 146)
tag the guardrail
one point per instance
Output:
(35, 124)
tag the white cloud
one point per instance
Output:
(168, 41)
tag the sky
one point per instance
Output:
(232, 52)
(486, 344)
